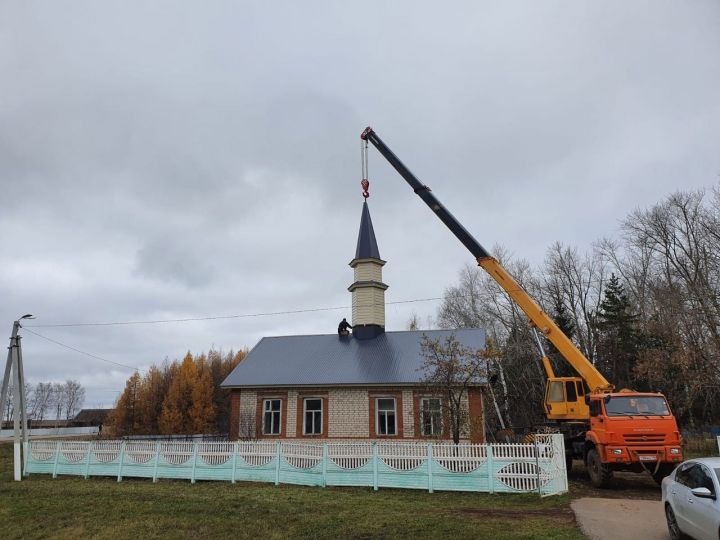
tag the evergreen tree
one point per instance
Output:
(619, 339)
(565, 322)
(563, 319)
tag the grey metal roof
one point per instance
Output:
(367, 247)
(391, 358)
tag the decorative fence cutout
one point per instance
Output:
(510, 468)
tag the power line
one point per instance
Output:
(79, 351)
(220, 317)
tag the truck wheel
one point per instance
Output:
(664, 470)
(600, 474)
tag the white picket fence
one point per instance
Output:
(512, 468)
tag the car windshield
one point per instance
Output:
(637, 405)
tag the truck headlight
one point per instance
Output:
(674, 450)
(617, 451)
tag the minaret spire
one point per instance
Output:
(368, 290)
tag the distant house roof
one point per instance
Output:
(390, 358)
(367, 247)
(91, 416)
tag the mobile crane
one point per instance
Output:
(610, 430)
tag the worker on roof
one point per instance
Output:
(343, 327)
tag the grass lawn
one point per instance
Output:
(71, 507)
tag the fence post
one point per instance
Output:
(234, 462)
(122, 459)
(324, 465)
(375, 466)
(491, 469)
(87, 461)
(195, 451)
(157, 458)
(537, 464)
(277, 463)
(57, 456)
(26, 456)
(430, 466)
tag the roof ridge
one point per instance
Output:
(386, 332)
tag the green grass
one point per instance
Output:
(70, 507)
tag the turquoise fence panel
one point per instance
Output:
(42, 457)
(301, 464)
(72, 458)
(214, 461)
(349, 464)
(402, 465)
(498, 468)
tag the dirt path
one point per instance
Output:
(612, 519)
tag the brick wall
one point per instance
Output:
(292, 413)
(348, 413)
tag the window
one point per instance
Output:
(637, 406)
(430, 417)
(312, 424)
(385, 416)
(699, 477)
(555, 392)
(570, 391)
(271, 416)
(595, 407)
(682, 475)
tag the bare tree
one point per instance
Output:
(449, 371)
(57, 400)
(42, 400)
(247, 429)
(515, 372)
(576, 281)
(74, 397)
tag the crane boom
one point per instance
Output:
(537, 317)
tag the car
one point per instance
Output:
(691, 498)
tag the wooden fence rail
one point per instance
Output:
(492, 468)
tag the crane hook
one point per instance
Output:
(365, 186)
(364, 161)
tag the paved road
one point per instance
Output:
(614, 519)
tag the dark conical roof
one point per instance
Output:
(367, 247)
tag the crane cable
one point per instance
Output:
(365, 183)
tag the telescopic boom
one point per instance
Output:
(538, 318)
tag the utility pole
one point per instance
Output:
(14, 367)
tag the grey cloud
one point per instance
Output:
(177, 159)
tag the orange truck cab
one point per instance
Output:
(630, 431)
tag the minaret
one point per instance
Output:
(368, 291)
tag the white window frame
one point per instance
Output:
(436, 430)
(272, 413)
(377, 417)
(305, 411)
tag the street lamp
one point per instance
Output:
(14, 366)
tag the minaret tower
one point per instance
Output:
(368, 290)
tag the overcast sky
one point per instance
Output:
(189, 159)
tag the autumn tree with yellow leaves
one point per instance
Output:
(177, 398)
